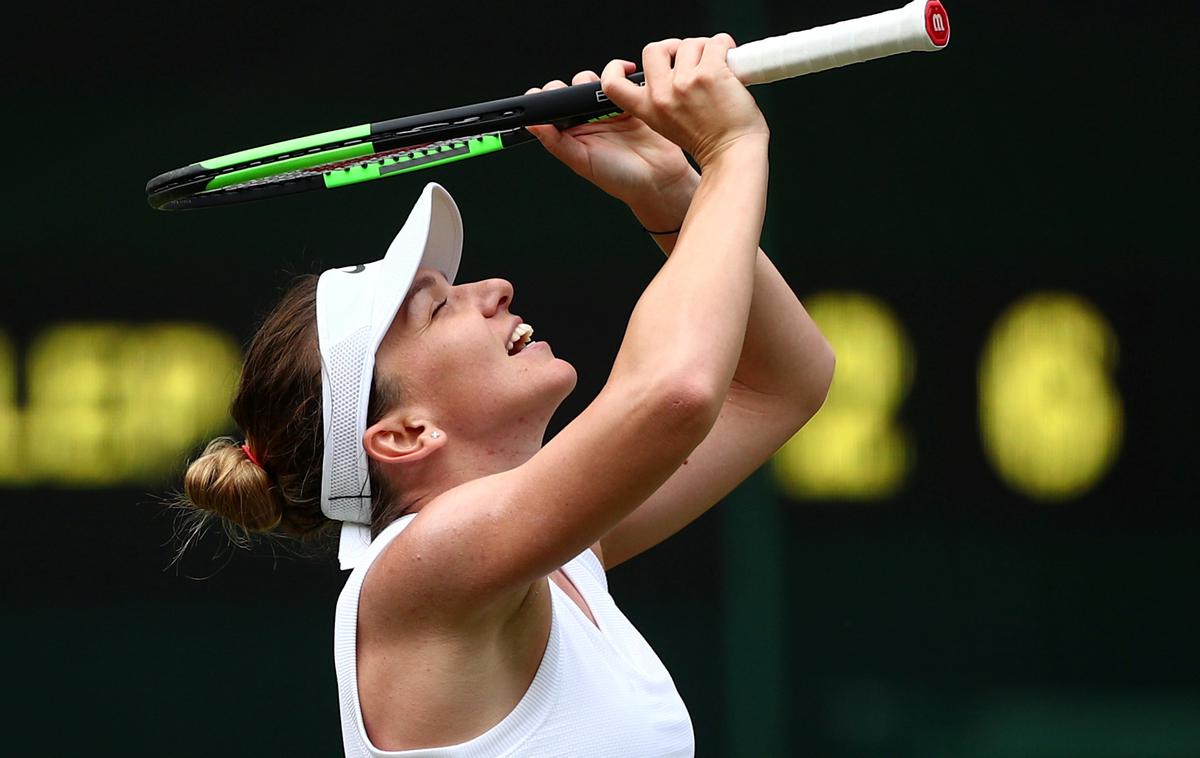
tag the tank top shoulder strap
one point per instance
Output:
(502, 739)
(590, 564)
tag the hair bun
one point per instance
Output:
(225, 481)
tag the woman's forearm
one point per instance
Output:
(691, 319)
(784, 354)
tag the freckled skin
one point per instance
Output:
(446, 350)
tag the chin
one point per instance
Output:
(539, 391)
(554, 386)
(568, 378)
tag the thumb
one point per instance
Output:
(547, 134)
(562, 146)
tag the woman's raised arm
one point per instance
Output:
(496, 535)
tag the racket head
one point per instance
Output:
(198, 186)
(338, 158)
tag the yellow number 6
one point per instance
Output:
(1050, 418)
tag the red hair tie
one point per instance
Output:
(250, 455)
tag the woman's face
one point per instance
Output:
(447, 349)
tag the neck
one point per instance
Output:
(458, 462)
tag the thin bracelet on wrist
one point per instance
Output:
(659, 234)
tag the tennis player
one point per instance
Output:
(409, 411)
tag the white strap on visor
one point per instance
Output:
(355, 307)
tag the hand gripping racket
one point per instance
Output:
(372, 151)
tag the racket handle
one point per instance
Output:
(922, 25)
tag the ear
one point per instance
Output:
(396, 439)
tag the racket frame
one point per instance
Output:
(496, 124)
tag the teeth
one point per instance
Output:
(520, 336)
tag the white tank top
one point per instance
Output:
(599, 690)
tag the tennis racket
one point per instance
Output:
(387, 148)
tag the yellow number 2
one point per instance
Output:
(854, 448)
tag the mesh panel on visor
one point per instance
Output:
(347, 493)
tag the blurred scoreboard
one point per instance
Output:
(1050, 417)
(111, 404)
(121, 404)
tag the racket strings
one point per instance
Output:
(385, 158)
(207, 176)
(380, 137)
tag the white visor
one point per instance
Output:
(355, 307)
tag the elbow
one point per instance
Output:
(816, 385)
(688, 405)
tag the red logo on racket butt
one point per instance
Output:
(937, 23)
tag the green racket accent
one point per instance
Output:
(438, 155)
(292, 164)
(288, 146)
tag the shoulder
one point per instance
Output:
(422, 578)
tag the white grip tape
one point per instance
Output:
(825, 47)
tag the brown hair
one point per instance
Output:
(277, 404)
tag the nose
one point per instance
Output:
(495, 295)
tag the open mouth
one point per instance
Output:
(520, 338)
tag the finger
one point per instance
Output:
(583, 77)
(656, 61)
(561, 145)
(533, 90)
(689, 53)
(549, 135)
(626, 94)
(715, 50)
(555, 84)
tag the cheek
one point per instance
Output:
(462, 363)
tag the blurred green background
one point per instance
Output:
(985, 545)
